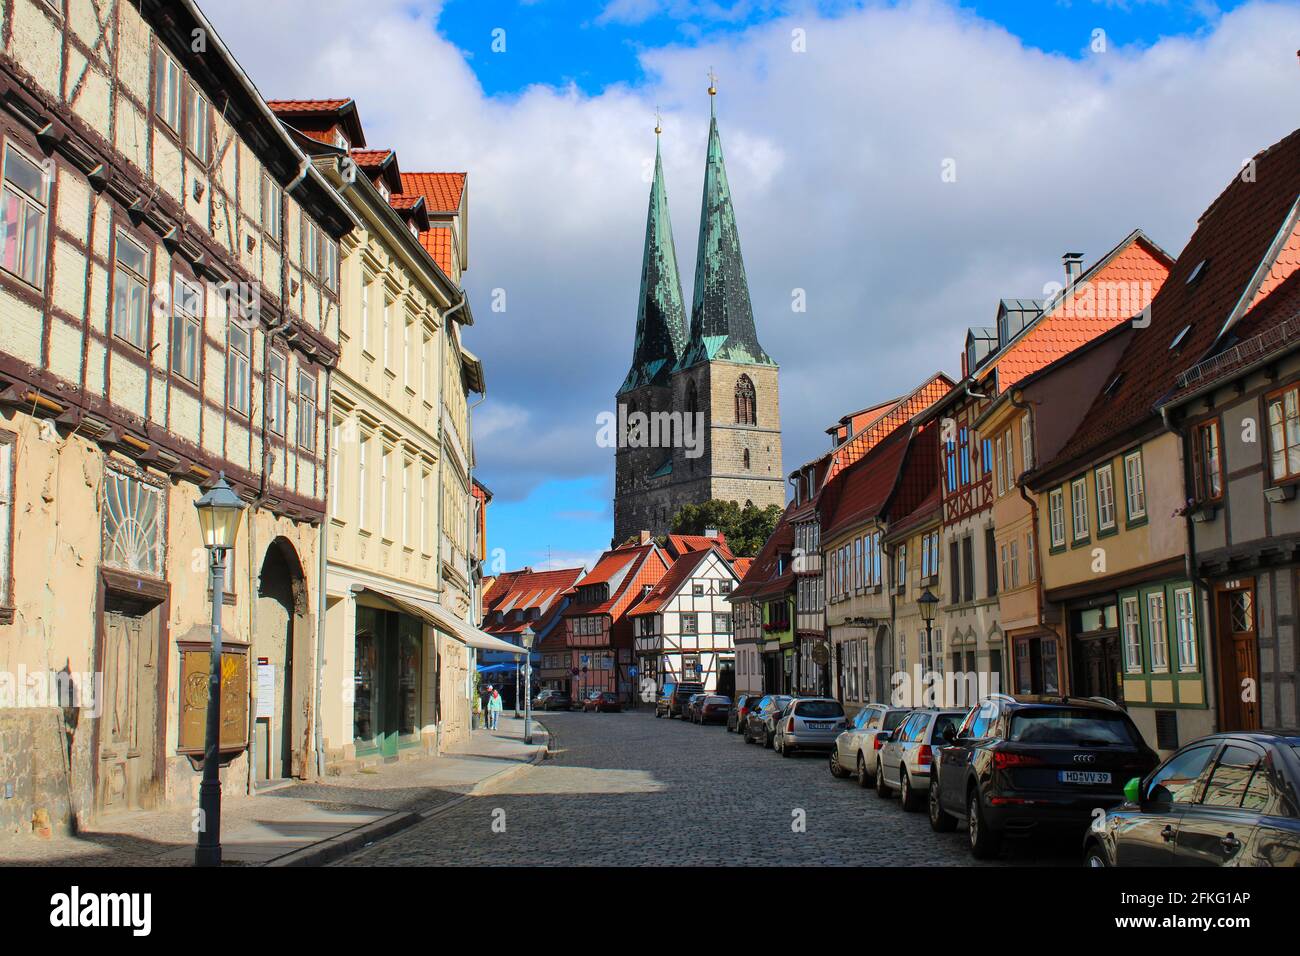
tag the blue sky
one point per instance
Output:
(833, 152)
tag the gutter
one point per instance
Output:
(321, 575)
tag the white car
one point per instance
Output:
(854, 752)
(906, 755)
(808, 723)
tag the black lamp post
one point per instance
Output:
(929, 604)
(220, 513)
(527, 637)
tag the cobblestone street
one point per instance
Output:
(627, 789)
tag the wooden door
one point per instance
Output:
(127, 772)
(1238, 656)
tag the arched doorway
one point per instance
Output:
(880, 664)
(281, 651)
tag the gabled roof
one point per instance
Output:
(342, 112)
(1237, 244)
(860, 492)
(382, 164)
(904, 410)
(764, 576)
(618, 568)
(442, 191)
(931, 506)
(673, 580)
(528, 591)
(679, 544)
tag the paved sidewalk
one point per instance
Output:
(303, 823)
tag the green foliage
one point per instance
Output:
(746, 528)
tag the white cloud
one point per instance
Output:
(834, 157)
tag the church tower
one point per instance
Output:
(720, 380)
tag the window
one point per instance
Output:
(1079, 507)
(406, 503)
(167, 91)
(1132, 636)
(1105, 481)
(1158, 632)
(722, 623)
(1031, 557)
(238, 351)
(1026, 444)
(365, 313)
(363, 516)
(900, 567)
(426, 497)
(131, 265)
(745, 459)
(277, 374)
(22, 231)
(1008, 449)
(690, 623)
(990, 563)
(724, 586)
(1239, 780)
(196, 123)
(133, 523)
(968, 567)
(187, 308)
(1006, 566)
(388, 332)
(310, 248)
(1185, 628)
(954, 571)
(963, 451)
(1178, 781)
(329, 263)
(307, 411)
(408, 354)
(335, 464)
(1056, 516)
(384, 455)
(697, 589)
(1135, 489)
(1284, 433)
(6, 517)
(1206, 465)
(271, 207)
(1001, 479)
(1014, 548)
(745, 405)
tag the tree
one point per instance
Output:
(746, 529)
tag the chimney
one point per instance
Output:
(711, 533)
(1073, 267)
(645, 537)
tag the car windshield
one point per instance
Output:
(778, 703)
(945, 721)
(818, 708)
(1086, 727)
(718, 700)
(894, 718)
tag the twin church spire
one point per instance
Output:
(722, 317)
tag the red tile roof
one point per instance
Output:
(741, 566)
(679, 544)
(930, 507)
(900, 413)
(307, 106)
(437, 242)
(1227, 252)
(442, 191)
(402, 201)
(670, 583)
(621, 567)
(762, 577)
(861, 491)
(1108, 294)
(371, 158)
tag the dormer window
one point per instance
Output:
(415, 230)
(340, 140)
(383, 190)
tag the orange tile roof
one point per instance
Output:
(437, 243)
(307, 106)
(402, 201)
(668, 585)
(371, 158)
(442, 191)
(679, 544)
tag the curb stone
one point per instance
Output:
(349, 841)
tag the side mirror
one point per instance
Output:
(1133, 790)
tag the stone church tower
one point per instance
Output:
(717, 376)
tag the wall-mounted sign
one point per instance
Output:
(194, 697)
(265, 689)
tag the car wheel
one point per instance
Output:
(911, 802)
(984, 842)
(864, 778)
(838, 772)
(1095, 857)
(882, 788)
(786, 749)
(940, 822)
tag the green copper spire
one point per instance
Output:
(661, 311)
(722, 318)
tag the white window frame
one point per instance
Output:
(1105, 497)
(197, 121)
(1131, 625)
(133, 325)
(29, 262)
(1158, 632)
(1135, 488)
(1009, 450)
(1056, 516)
(997, 454)
(363, 516)
(167, 90)
(187, 328)
(307, 411)
(1079, 529)
(272, 207)
(1185, 627)
(239, 368)
(1026, 443)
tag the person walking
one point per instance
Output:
(494, 709)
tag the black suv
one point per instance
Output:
(674, 697)
(1022, 765)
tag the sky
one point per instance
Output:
(901, 166)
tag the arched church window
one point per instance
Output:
(745, 404)
(747, 459)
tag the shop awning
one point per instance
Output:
(437, 615)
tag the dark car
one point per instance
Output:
(1027, 765)
(760, 725)
(740, 711)
(712, 709)
(1230, 799)
(691, 708)
(674, 696)
(601, 702)
(552, 700)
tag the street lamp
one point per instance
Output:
(220, 513)
(527, 637)
(929, 604)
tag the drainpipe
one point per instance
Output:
(322, 570)
(1039, 595)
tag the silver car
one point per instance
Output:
(905, 757)
(855, 749)
(808, 723)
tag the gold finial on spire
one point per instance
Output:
(713, 82)
(659, 122)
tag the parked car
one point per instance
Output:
(712, 709)
(907, 753)
(1229, 799)
(855, 748)
(1022, 765)
(552, 700)
(809, 723)
(760, 724)
(739, 711)
(692, 706)
(674, 696)
(601, 701)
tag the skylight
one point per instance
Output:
(1198, 271)
(1114, 384)
(1178, 339)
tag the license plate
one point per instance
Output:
(1084, 776)
(821, 726)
